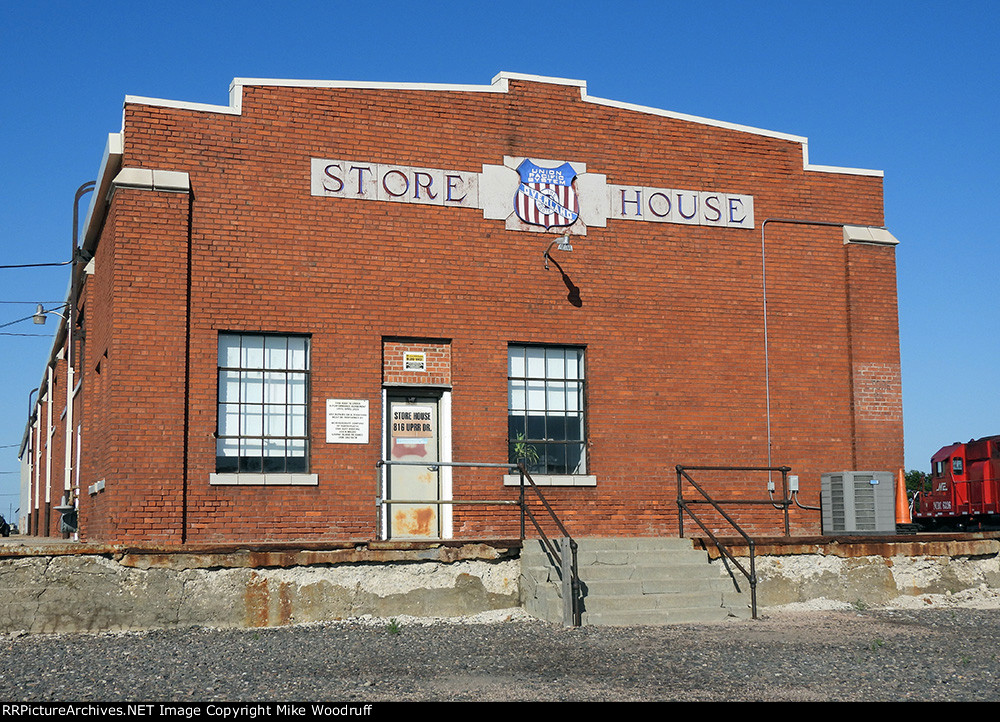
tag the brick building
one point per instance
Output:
(276, 294)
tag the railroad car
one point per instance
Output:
(963, 489)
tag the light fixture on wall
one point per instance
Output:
(564, 245)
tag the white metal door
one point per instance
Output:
(413, 427)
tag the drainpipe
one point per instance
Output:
(68, 496)
(32, 452)
(49, 433)
(38, 466)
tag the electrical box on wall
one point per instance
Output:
(858, 502)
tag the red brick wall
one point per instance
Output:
(671, 316)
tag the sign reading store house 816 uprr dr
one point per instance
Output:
(531, 194)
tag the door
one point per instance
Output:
(413, 426)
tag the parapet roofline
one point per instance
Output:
(499, 84)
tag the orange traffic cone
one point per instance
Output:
(902, 505)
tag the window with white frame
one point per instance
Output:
(263, 404)
(545, 413)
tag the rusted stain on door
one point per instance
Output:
(414, 521)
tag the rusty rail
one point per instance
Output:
(564, 553)
(685, 505)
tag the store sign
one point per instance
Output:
(530, 194)
(396, 183)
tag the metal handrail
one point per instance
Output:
(684, 505)
(567, 563)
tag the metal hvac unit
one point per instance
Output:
(858, 502)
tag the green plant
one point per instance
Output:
(876, 644)
(524, 452)
(860, 604)
(393, 627)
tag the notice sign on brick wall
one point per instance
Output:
(414, 361)
(347, 421)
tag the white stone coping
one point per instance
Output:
(150, 179)
(263, 479)
(553, 479)
(869, 234)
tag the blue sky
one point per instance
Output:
(909, 88)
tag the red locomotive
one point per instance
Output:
(964, 491)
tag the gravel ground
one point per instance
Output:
(941, 654)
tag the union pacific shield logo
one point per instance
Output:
(545, 196)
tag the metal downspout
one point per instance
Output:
(69, 498)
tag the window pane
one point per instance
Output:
(555, 427)
(575, 459)
(297, 421)
(516, 395)
(251, 451)
(298, 353)
(574, 364)
(536, 362)
(274, 456)
(253, 352)
(555, 363)
(574, 427)
(555, 396)
(536, 395)
(574, 396)
(275, 352)
(227, 455)
(252, 387)
(252, 421)
(274, 420)
(229, 420)
(229, 386)
(274, 387)
(535, 428)
(296, 388)
(515, 362)
(229, 350)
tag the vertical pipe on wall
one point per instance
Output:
(49, 433)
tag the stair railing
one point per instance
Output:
(564, 553)
(686, 506)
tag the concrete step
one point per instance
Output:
(633, 581)
(699, 615)
(635, 602)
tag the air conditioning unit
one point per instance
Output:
(858, 502)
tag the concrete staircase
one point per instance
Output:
(635, 581)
